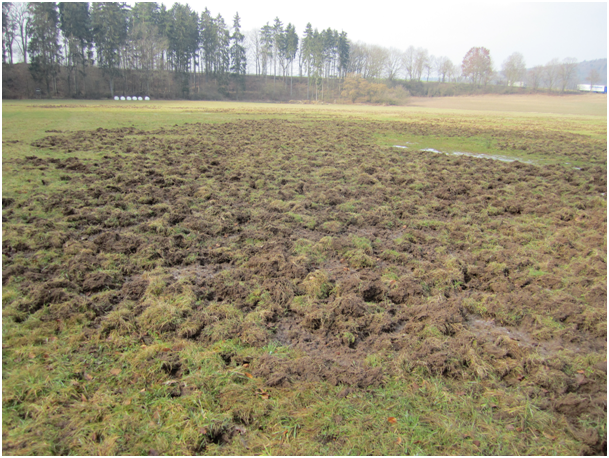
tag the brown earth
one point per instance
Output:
(311, 235)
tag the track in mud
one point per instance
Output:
(312, 235)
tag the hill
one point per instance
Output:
(584, 68)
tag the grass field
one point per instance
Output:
(557, 104)
(238, 279)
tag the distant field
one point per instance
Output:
(278, 279)
(577, 104)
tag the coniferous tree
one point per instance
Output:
(291, 49)
(222, 54)
(147, 44)
(237, 53)
(75, 24)
(307, 54)
(44, 46)
(183, 37)
(209, 41)
(277, 31)
(109, 22)
(145, 13)
(343, 54)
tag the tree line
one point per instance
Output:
(200, 47)
(115, 37)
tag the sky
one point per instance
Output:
(539, 31)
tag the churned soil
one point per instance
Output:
(311, 235)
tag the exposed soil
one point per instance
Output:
(312, 235)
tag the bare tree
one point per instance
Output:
(377, 61)
(21, 16)
(567, 71)
(357, 59)
(254, 50)
(369, 61)
(409, 62)
(393, 63)
(593, 77)
(514, 68)
(8, 37)
(421, 60)
(550, 73)
(429, 66)
(456, 73)
(535, 76)
(444, 68)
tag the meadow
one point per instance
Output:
(236, 279)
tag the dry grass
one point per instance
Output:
(569, 104)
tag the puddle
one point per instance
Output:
(495, 157)
(487, 330)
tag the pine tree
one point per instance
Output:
(266, 44)
(75, 24)
(145, 13)
(44, 48)
(343, 54)
(146, 43)
(209, 41)
(237, 53)
(222, 54)
(109, 22)
(277, 44)
(291, 49)
(307, 54)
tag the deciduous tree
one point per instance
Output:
(6, 8)
(534, 76)
(477, 66)
(420, 62)
(567, 71)
(444, 68)
(514, 68)
(21, 15)
(593, 77)
(409, 62)
(9, 29)
(393, 63)
(550, 74)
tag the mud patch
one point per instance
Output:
(364, 261)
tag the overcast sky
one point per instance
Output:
(539, 31)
